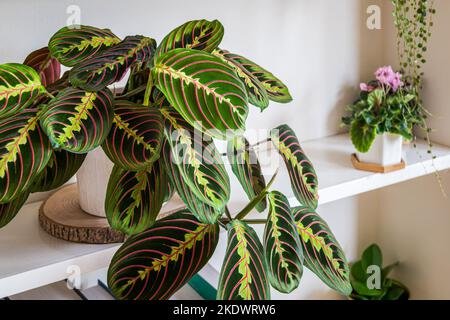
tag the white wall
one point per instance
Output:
(319, 48)
(414, 217)
(437, 70)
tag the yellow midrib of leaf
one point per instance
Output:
(188, 80)
(125, 126)
(185, 139)
(87, 103)
(190, 239)
(12, 148)
(244, 264)
(94, 42)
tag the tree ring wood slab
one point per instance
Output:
(373, 167)
(62, 217)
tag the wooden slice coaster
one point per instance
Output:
(373, 167)
(61, 216)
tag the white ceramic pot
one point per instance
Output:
(92, 180)
(386, 150)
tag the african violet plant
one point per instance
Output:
(383, 106)
(183, 86)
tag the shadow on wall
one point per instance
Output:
(368, 47)
(413, 229)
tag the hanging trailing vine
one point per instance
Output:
(414, 20)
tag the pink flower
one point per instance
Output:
(385, 75)
(365, 87)
(397, 82)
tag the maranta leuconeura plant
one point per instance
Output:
(49, 121)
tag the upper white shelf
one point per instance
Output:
(338, 179)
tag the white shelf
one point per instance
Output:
(30, 258)
(338, 179)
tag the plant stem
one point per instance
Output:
(227, 213)
(255, 145)
(148, 90)
(255, 221)
(133, 92)
(48, 94)
(222, 224)
(249, 207)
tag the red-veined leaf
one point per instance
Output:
(134, 198)
(49, 68)
(276, 89)
(169, 189)
(244, 271)
(24, 153)
(257, 94)
(9, 210)
(60, 168)
(134, 141)
(201, 210)
(198, 34)
(198, 160)
(154, 264)
(323, 254)
(282, 246)
(301, 171)
(20, 85)
(72, 45)
(103, 69)
(205, 90)
(159, 100)
(78, 121)
(245, 166)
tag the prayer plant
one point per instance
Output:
(184, 85)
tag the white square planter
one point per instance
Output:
(386, 150)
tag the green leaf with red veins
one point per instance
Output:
(199, 162)
(49, 68)
(62, 166)
(282, 246)
(244, 271)
(8, 211)
(323, 254)
(20, 85)
(206, 91)
(247, 169)
(110, 66)
(134, 142)
(257, 94)
(157, 262)
(71, 46)
(77, 120)
(24, 153)
(198, 34)
(301, 171)
(134, 198)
